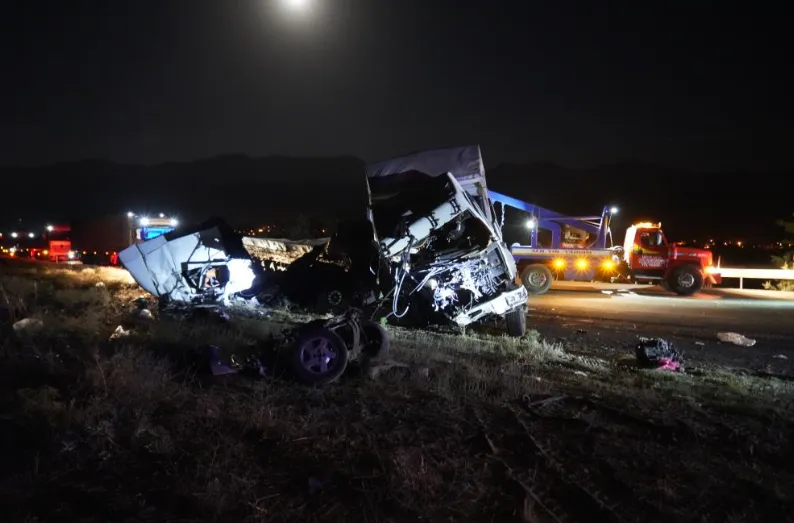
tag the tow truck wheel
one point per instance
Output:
(516, 322)
(537, 278)
(685, 280)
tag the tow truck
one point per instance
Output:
(581, 249)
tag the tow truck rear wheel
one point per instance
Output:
(537, 278)
(516, 322)
(685, 280)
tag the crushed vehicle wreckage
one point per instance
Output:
(437, 236)
(429, 251)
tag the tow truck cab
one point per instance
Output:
(650, 257)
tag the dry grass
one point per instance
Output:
(129, 430)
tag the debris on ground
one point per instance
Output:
(659, 354)
(780, 357)
(736, 339)
(120, 332)
(28, 325)
(217, 366)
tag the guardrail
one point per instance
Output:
(756, 274)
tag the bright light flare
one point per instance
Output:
(31, 235)
(530, 224)
(49, 228)
(613, 210)
(581, 264)
(608, 265)
(296, 5)
(559, 263)
(174, 222)
(144, 221)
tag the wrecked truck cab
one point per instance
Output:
(434, 228)
(205, 265)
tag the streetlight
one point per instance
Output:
(613, 210)
(31, 235)
(49, 228)
(14, 235)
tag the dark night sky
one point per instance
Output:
(700, 85)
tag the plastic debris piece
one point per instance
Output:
(28, 325)
(218, 367)
(659, 354)
(736, 339)
(120, 332)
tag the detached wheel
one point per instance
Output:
(319, 356)
(685, 280)
(516, 322)
(537, 278)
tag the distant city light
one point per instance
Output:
(31, 235)
(14, 235)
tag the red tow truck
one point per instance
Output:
(580, 249)
(648, 256)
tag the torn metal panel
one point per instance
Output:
(281, 251)
(205, 265)
(434, 231)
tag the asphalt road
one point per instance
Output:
(617, 314)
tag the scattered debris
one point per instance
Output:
(700, 343)
(120, 332)
(659, 354)
(218, 367)
(145, 314)
(736, 339)
(780, 356)
(28, 325)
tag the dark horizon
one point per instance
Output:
(248, 190)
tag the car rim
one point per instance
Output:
(334, 298)
(318, 356)
(686, 280)
(537, 279)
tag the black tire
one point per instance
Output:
(537, 278)
(685, 280)
(375, 341)
(312, 339)
(516, 322)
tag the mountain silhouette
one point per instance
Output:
(247, 190)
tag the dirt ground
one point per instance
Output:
(557, 426)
